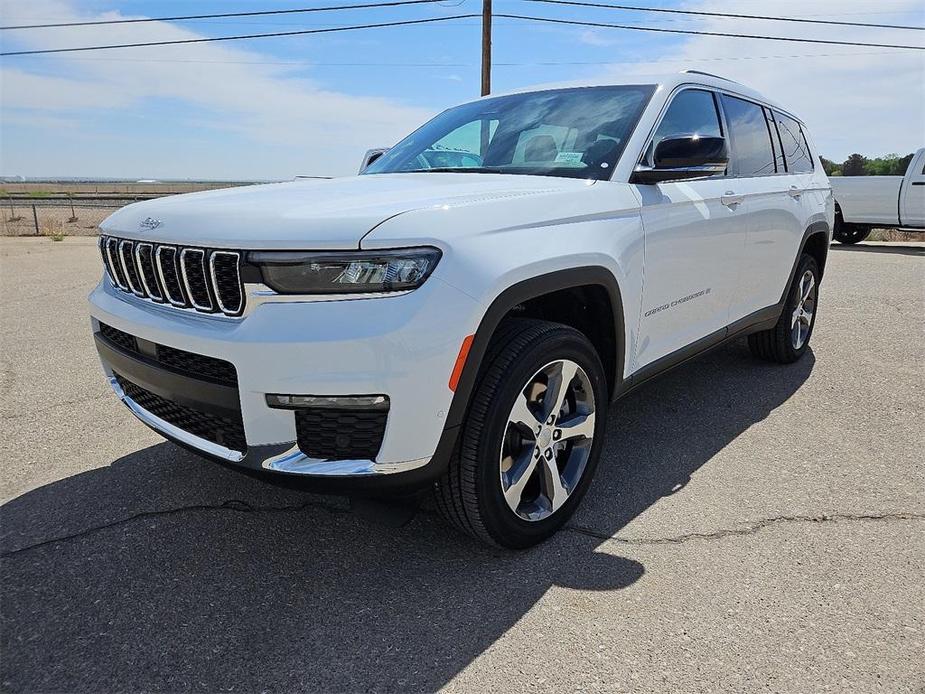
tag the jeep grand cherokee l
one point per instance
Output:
(462, 329)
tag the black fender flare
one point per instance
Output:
(814, 229)
(590, 275)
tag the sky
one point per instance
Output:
(270, 109)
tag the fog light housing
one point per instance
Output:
(333, 402)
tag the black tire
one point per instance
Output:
(850, 234)
(469, 495)
(777, 343)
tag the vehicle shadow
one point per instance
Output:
(896, 248)
(175, 574)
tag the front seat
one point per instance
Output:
(541, 148)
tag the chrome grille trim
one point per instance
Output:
(228, 310)
(102, 244)
(117, 271)
(129, 267)
(177, 277)
(180, 301)
(155, 293)
(200, 269)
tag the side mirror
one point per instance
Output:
(679, 158)
(371, 156)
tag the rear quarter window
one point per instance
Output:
(796, 151)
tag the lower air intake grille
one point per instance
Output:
(119, 338)
(188, 363)
(224, 431)
(337, 434)
(198, 365)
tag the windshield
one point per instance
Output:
(577, 133)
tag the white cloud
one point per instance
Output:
(314, 130)
(595, 37)
(854, 99)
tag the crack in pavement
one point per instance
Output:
(751, 529)
(240, 506)
(230, 505)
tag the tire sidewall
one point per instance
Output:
(807, 262)
(502, 523)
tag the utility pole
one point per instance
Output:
(486, 47)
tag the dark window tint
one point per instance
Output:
(779, 164)
(795, 150)
(751, 140)
(692, 112)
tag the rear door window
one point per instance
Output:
(752, 154)
(796, 152)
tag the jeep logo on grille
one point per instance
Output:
(149, 223)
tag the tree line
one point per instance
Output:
(859, 165)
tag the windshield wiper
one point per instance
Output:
(456, 169)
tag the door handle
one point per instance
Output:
(730, 199)
(794, 192)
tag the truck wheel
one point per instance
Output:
(789, 339)
(532, 436)
(849, 234)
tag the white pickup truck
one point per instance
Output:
(894, 202)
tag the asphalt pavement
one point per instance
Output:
(751, 528)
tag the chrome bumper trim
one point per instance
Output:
(291, 461)
(296, 462)
(170, 430)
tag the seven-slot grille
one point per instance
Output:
(193, 278)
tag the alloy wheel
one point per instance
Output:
(547, 440)
(801, 321)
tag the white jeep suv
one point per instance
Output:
(458, 317)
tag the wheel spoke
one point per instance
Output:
(557, 388)
(581, 426)
(521, 414)
(809, 287)
(519, 476)
(795, 318)
(552, 484)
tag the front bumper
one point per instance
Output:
(403, 347)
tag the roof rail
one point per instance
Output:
(709, 74)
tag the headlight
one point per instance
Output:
(349, 272)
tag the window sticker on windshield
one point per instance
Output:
(573, 158)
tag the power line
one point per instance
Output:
(262, 13)
(575, 22)
(725, 15)
(546, 63)
(431, 20)
(397, 3)
(276, 34)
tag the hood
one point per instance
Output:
(313, 214)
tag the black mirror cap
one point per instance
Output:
(690, 151)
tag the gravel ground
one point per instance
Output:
(51, 220)
(752, 528)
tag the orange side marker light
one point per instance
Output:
(460, 362)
